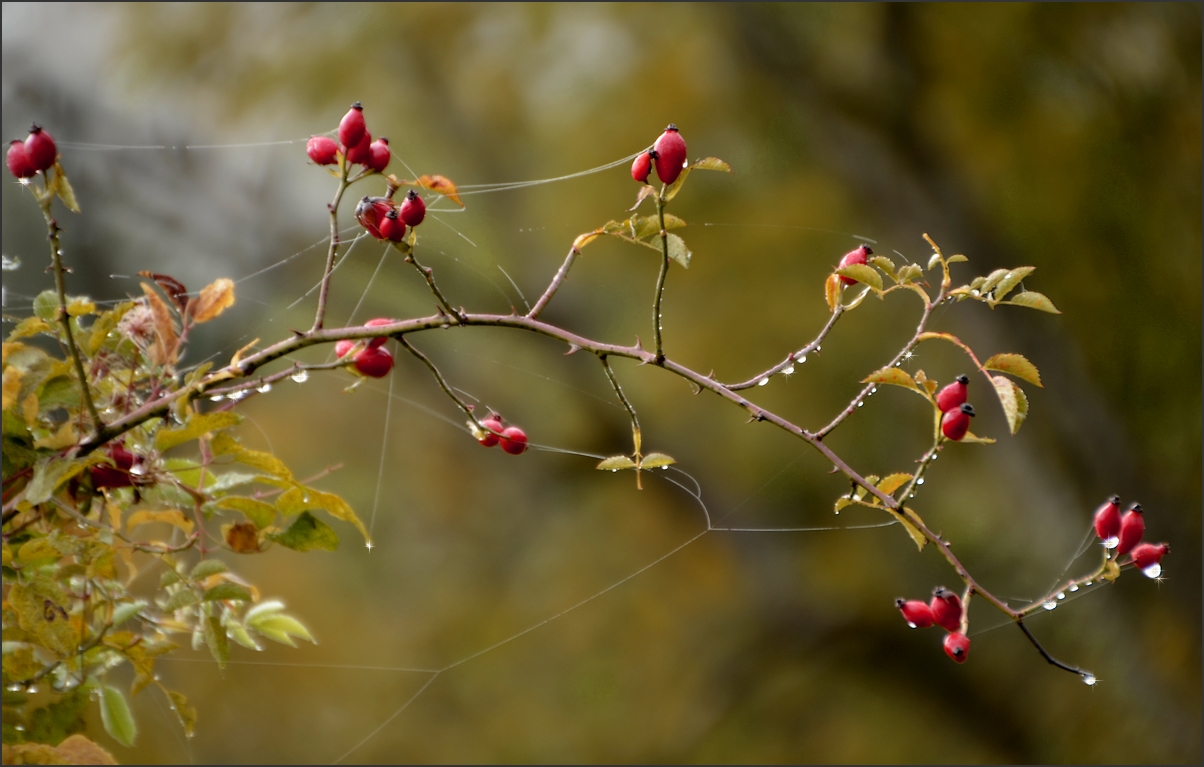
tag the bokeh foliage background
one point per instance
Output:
(1063, 136)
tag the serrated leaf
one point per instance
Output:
(207, 567)
(711, 163)
(62, 187)
(179, 600)
(972, 439)
(281, 628)
(46, 305)
(224, 444)
(184, 712)
(956, 258)
(862, 273)
(334, 506)
(227, 591)
(832, 292)
(116, 716)
(169, 577)
(841, 502)
(646, 191)
(656, 460)
(163, 351)
(615, 463)
(640, 227)
(1007, 390)
(893, 482)
(1016, 365)
(215, 638)
(672, 191)
(196, 427)
(214, 299)
(173, 517)
(1033, 300)
(41, 608)
(306, 533)
(678, 251)
(916, 536)
(885, 264)
(934, 261)
(992, 280)
(908, 273)
(260, 513)
(1011, 280)
(894, 376)
(30, 326)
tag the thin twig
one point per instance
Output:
(793, 356)
(320, 315)
(660, 280)
(1044, 654)
(561, 274)
(447, 389)
(429, 275)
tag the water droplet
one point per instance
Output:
(20, 728)
(817, 350)
(267, 387)
(801, 359)
(1089, 679)
(974, 292)
(1088, 583)
(762, 382)
(934, 457)
(217, 398)
(237, 395)
(32, 689)
(874, 390)
(664, 468)
(920, 481)
(1051, 604)
(788, 370)
(156, 677)
(1061, 595)
(838, 512)
(14, 688)
(1074, 587)
(860, 404)
(305, 498)
(301, 376)
(911, 625)
(137, 470)
(612, 471)
(1110, 543)
(1153, 571)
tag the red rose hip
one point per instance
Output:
(374, 363)
(917, 614)
(670, 156)
(40, 149)
(642, 166)
(360, 153)
(343, 347)
(493, 426)
(1107, 522)
(370, 212)
(322, 150)
(1132, 528)
(18, 161)
(376, 323)
(953, 395)
(352, 127)
(1148, 558)
(957, 646)
(956, 423)
(514, 441)
(117, 475)
(854, 257)
(946, 609)
(392, 228)
(413, 209)
(379, 154)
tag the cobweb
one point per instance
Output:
(396, 688)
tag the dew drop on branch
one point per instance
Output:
(763, 381)
(1153, 571)
(267, 387)
(1074, 587)
(301, 376)
(1061, 595)
(1110, 543)
(217, 398)
(788, 370)
(1050, 605)
(1089, 679)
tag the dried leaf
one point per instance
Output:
(241, 537)
(184, 711)
(585, 239)
(1033, 300)
(77, 749)
(832, 291)
(1016, 365)
(646, 191)
(174, 289)
(214, 299)
(438, 185)
(62, 187)
(163, 350)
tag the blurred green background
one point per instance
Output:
(1064, 136)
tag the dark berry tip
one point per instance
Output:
(672, 127)
(391, 214)
(1114, 498)
(1137, 508)
(653, 154)
(968, 409)
(383, 139)
(411, 195)
(963, 379)
(358, 105)
(942, 592)
(35, 128)
(900, 602)
(868, 250)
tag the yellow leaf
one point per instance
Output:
(893, 482)
(1016, 365)
(656, 461)
(439, 185)
(832, 292)
(862, 273)
(30, 326)
(163, 351)
(214, 299)
(66, 436)
(80, 307)
(711, 163)
(615, 463)
(585, 239)
(173, 517)
(12, 382)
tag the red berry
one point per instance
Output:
(1148, 555)
(957, 646)
(378, 154)
(374, 363)
(953, 395)
(670, 156)
(360, 153)
(18, 161)
(321, 149)
(117, 475)
(1107, 522)
(413, 209)
(40, 149)
(643, 166)
(342, 347)
(956, 423)
(854, 257)
(917, 614)
(1132, 527)
(370, 212)
(376, 323)
(494, 426)
(946, 609)
(514, 441)
(392, 228)
(352, 127)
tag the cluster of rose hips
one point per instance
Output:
(1124, 533)
(512, 439)
(386, 220)
(355, 143)
(36, 153)
(668, 154)
(373, 360)
(951, 401)
(944, 610)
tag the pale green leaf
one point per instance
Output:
(862, 273)
(1033, 300)
(956, 258)
(306, 533)
(935, 261)
(1016, 365)
(197, 426)
(227, 591)
(126, 610)
(1010, 396)
(116, 716)
(282, 628)
(50, 473)
(207, 567)
(656, 460)
(672, 191)
(678, 251)
(711, 163)
(178, 601)
(1011, 280)
(259, 512)
(215, 637)
(992, 280)
(616, 463)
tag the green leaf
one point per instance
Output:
(894, 376)
(179, 600)
(893, 482)
(1016, 365)
(62, 187)
(184, 711)
(126, 610)
(1011, 280)
(862, 273)
(1033, 300)
(909, 273)
(215, 637)
(306, 533)
(672, 191)
(615, 463)
(1010, 397)
(678, 251)
(640, 227)
(656, 461)
(230, 591)
(259, 512)
(335, 507)
(992, 280)
(46, 305)
(912, 530)
(115, 713)
(49, 474)
(224, 444)
(934, 262)
(197, 426)
(207, 567)
(886, 265)
(281, 628)
(956, 258)
(711, 163)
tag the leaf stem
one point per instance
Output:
(660, 280)
(320, 315)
